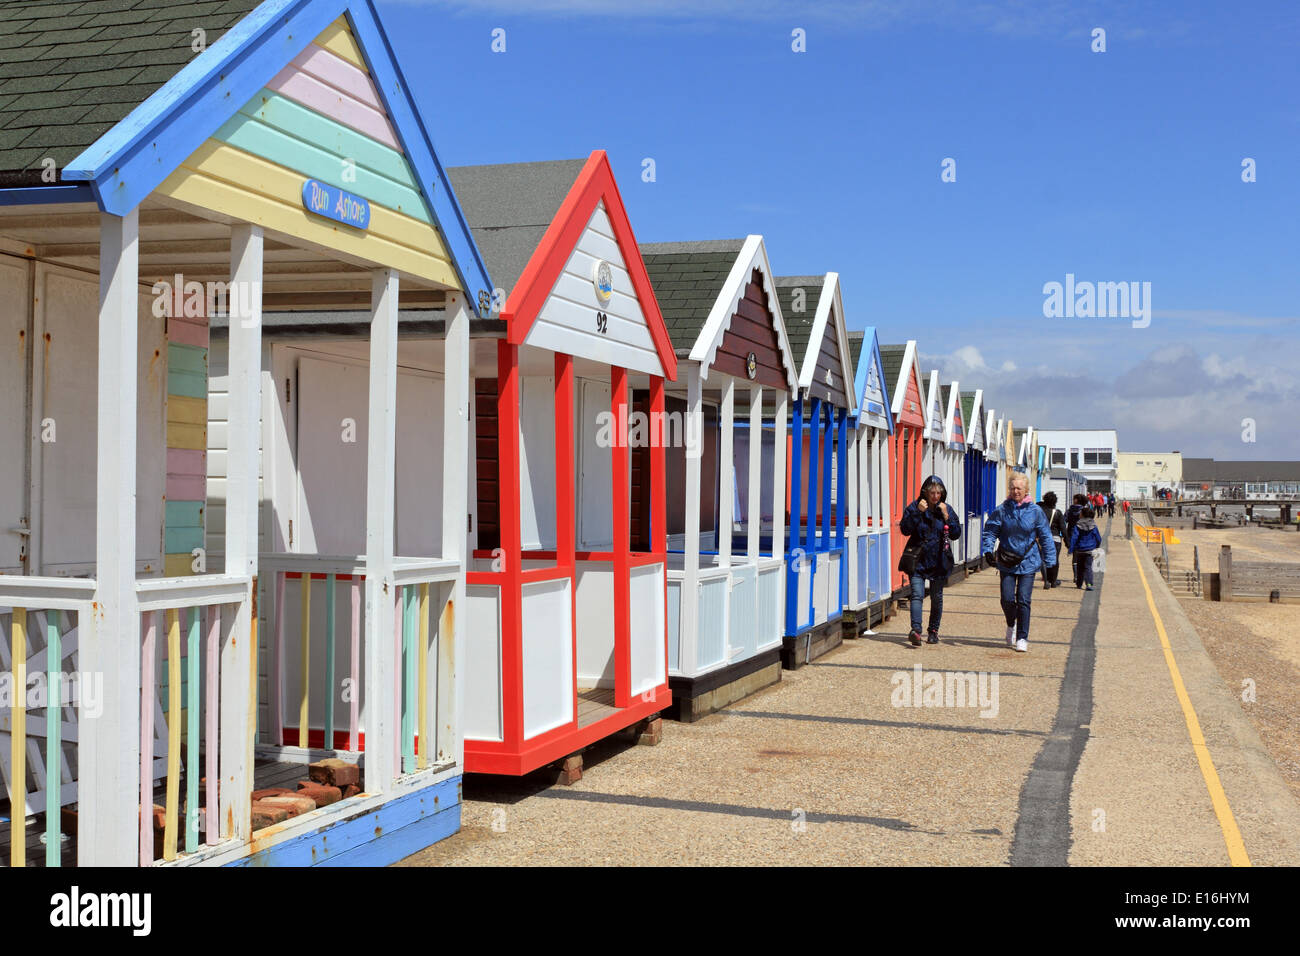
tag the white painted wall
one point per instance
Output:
(567, 321)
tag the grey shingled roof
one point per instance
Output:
(509, 207)
(855, 348)
(687, 278)
(1198, 469)
(891, 360)
(69, 71)
(967, 406)
(798, 325)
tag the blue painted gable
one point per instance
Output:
(867, 358)
(129, 161)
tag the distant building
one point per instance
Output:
(1093, 452)
(1240, 480)
(1140, 474)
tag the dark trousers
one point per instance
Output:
(1049, 574)
(936, 601)
(1017, 592)
(1083, 568)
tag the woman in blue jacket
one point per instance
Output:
(1019, 527)
(933, 525)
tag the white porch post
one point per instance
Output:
(457, 441)
(755, 524)
(238, 648)
(726, 472)
(381, 485)
(780, 432)
(110, 746)
(689, 622)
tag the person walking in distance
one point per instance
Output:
(1056, 522)
(1084, 540)
(932, 526)
(1072, 515)
(1110, 505)
(1019, 540)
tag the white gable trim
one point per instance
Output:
(830, 296)
(752, 255)
(911, 365)
(954, 410)
(934, 398)
(976, 423)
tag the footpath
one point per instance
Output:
(1078, 752)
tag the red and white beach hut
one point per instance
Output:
(566, 621)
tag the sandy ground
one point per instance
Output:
(1253, 641)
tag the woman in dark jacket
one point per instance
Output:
(1019, 526)
(1055, 522)
(933, 526)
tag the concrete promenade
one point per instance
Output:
(1084, 751)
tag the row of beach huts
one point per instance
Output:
(327, 451)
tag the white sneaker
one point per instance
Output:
(1011, 636)
(1022, 645)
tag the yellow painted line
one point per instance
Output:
(338, 39)
(1227, 823)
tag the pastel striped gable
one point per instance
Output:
(335, 88)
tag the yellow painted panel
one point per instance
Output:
(178, 565)
(186, 410)
(239, 184)
(337, 38)
(187, 436)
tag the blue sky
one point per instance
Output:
(1115, 166)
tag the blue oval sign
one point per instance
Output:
(333, 203)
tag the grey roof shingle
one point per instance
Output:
(687, 278)
(115, 53)
(891, 357)
(855, 348)
(509, 207)
(798, 324)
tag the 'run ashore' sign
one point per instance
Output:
(334, 203)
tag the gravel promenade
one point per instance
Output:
(837, 764)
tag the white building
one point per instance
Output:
(1141, 474)
(1094, 452)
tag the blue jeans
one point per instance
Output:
(1017, 592)
(1083, 568)
(936, 601)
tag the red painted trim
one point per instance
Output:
(642, 559)
(533, 575)
(316, 739)
(512, 675)
(566, 522)
(620, 483)
(594, 183)
(486, 756)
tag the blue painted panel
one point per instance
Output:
(711, 644)
(39, 195)
(744, 623)
(864, 568)
(674, 624)
(404, 825)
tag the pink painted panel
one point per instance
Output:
(332, 69)
(186, 461)
(186, 488)
(338, 106)
(186, 332)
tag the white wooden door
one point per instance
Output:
(14, 352)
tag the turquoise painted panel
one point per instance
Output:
(254, 136)
(406, 825)
(281, 113)
(182, 540)
(188, 384)
(187, 358)
(184, 514)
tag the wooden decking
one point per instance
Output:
(595, 704)
(266, 773)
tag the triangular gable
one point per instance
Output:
(561, 303)
(870, 387)
(934, 410)
(975, 439)
(1009, 449)
(761, 330)
(908, 405)
(324, 68)
(827, 368)
(955, 428)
